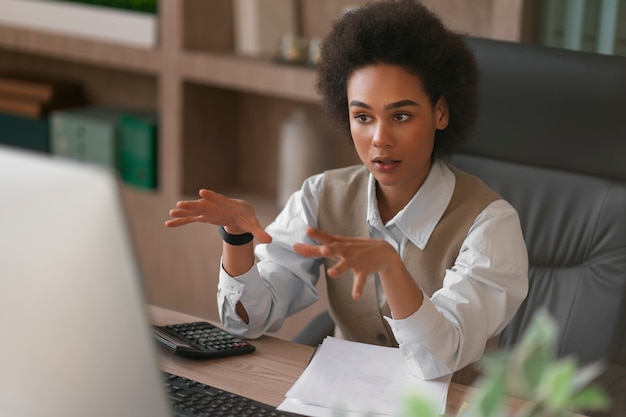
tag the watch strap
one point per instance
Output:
(236, 240)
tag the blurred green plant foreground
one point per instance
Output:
(551, 386)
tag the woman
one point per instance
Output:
(417, 253)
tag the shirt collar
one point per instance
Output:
(418, 218)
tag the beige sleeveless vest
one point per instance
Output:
(343, 206)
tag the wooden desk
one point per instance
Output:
(266, 375)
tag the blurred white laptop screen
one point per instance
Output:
(76, 340)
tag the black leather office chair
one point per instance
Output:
(551, 139)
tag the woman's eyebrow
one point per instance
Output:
(400, 103)
(395, 105)
(357, 103)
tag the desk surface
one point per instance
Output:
(266, 375)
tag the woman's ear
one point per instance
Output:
(442, 114)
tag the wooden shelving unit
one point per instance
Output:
(220, 116)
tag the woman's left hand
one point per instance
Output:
(364, 256)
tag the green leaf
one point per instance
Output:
(416, 406)
(555, 388)
(534, 364)
(489, 399)
(532, 355)
(590, 398)
(541, 331)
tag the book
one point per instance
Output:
(34, 96)
(100, 23)
(33, 108)
(88, 134)
(138, 149)
(37, 87)
(25, 132)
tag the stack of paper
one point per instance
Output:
(356, 379)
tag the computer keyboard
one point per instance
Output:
(190, 398)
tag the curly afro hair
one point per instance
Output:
(404, 33)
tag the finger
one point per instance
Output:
(310, 251)
(212, 196)
(181, 221)
(320, 235)
(208, 194)
(253, 226)
(340, 268)
(181, 213)
(197, 205)
(173, 223)
(262, 236)
(357, 285)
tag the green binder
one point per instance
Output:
(86, 134)
(24, 132)
(138, 149)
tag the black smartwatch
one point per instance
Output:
(236, 240)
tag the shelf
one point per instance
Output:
(261, 76)
(250, 75)
(82, 50)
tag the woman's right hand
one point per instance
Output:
(237, 216)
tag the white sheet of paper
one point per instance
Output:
(293, 405)
(359, 378)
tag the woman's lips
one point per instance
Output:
(386, 165)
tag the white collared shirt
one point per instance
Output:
(480, 293)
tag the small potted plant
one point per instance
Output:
(549, 386)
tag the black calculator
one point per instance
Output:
(200, 340)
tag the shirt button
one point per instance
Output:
(381, 338)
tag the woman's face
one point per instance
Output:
(393, 125)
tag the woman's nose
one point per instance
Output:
(382, 137)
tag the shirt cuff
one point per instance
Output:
(230, 291)
(228, 286)
(416, 335)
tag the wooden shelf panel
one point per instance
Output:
(250, 75)
(83, 50)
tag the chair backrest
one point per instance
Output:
(551, 139)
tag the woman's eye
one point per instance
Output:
(400, 117)
(363, 118)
